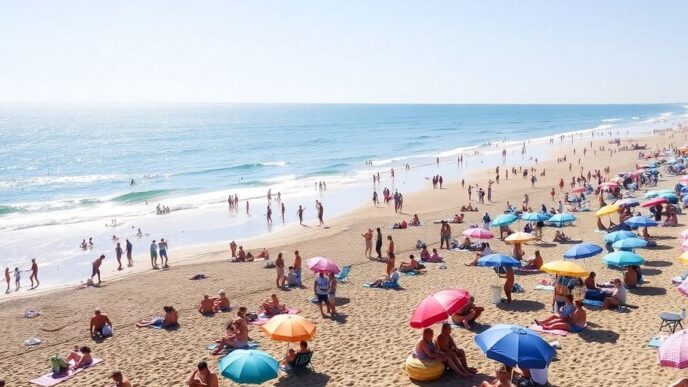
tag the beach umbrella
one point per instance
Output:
(565, 268)
(520, 237)
(640, 221)
(629, 243)
(322, 265)
(665, 191)
(578, 190)
(653, 202)
(683, 287)
(291, 328)
(438, 307)
(630, 202)
(618, 235)
(683, 258)
(673, 352)
(609, 185)
(478, 233)
(650, 194)
(515, 346)
(249, 366)
(561, 219)
(534, 216)
(504, 220)
(622, 259)
(582, 250)
(498, 260)
(607, 210)
(670, 197)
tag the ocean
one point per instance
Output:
(65, 169)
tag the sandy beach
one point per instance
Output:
(365, 345)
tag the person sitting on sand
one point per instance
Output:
(469, 208)
(560, 237)
(467, 314)
(221, 302)
(535, 262)
(646, 235)
(458, 218)
(291, 354)
(237, 337)
(589, 281)
(616, 297)
(426, 349)
(466, 244)
(434, 257)
(272, 306)
(412, 265)
(120, 380)
(98, 322)
(534, 377)
(503, 378)
(446, 346)
(481, 251)
(241, 255)
(517, 252)
(263, 254)
(672, 221)
(171, 318)
(202, 377)
(207, 305)
(600, 225)
(415, 221)
(573, 323)
(631, 279)
(424, 253)
(386, 281)
(81, 357)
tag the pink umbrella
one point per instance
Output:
(684, 234)
(438, 307)
(684, 245)
(683, 287)
(653, 202)
(322, 265)
(578, 190)
(674, 350)
(683, 179)
(478, 233)
(609, 185)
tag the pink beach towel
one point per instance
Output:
(262, 319)
(47, 380)
(539, 329)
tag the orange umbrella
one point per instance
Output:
(291, 328)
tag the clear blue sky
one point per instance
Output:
(345, 51)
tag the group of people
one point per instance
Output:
(17, 276)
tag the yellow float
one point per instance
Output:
(423, 371)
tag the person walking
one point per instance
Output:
(378, 243)
(129, 247)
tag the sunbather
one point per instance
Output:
(466, 245)
(631, 277)
(386, 281)
(672, 221)
(272, 306)
(426, 349)
(202, 377)
(646, 235)
(236, 335)
(616, 297)
(412, 265)
(81, 357)
(600, 225)
(207, 305)
(467, 314)
(424, 253)
(415, 221)
(263, 254)
(536, 261)
(482, 251)
(572, 323)
(560, 237)
(445, 345)
(469, 208)
(221, 302)
(458, 218)
(503, 378)
(435, 257)
(291, 354)
(120, 380)
(170, 319)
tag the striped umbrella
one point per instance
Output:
(674, 350)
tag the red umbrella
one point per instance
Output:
(653, 202)
(438, 307)
(578, 190)
(609, 185)
(478, 233)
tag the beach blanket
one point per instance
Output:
(546, 288)
(263, 318)
(539, 329)
(460, 250)
(48, 380)
(592, 303)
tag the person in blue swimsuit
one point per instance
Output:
(162, 245)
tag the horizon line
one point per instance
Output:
(160, 102)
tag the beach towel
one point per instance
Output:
(527, 270)
(226, 349)
(547, 288)
(171, 327)
(48, 380)
(539, 329)
(410, 272)
(592, 303)
(391, 285)
(657, 340)
(456, 250)
(263, 318)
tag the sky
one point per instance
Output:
(351, 51)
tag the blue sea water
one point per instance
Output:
(65, 168)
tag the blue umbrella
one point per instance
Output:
(640, 221)
(498, 260)
(515, 346)
(618, 235)
(582, 250)
(504, 220)
(622, 258)
(629, 243)
(670, 197)
(627, 202)
(534, 216)
(650, 195)
(249, 366)
(561, 219)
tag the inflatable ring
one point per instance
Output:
(423, 371)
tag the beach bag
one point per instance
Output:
(251, 317)
(419, 244)
(107, 331)
(58, 364)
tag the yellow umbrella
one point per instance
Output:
(565, 268)
(520, 237)
(683, 258)
(607, 210)
(291, 328)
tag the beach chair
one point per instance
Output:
(343, 274)
(302, 362)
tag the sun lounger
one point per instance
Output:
(48, 380)
(343, 274)
(385, 285)
(301, 362)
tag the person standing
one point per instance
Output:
(282, 204)
(378, 243)
(445, 234)
(297, 267)
(233, 248)
(269, 215)
(163, 252)
(154, 254)
(299, 212)
(279, 267)
(7, 279)
(34, 273)
(247, 207)
(118, 255)
(332, 293)
(129, 247)
(390, 245)
(96, 267)
(368, 237)
(320, 288)
(319, 207)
